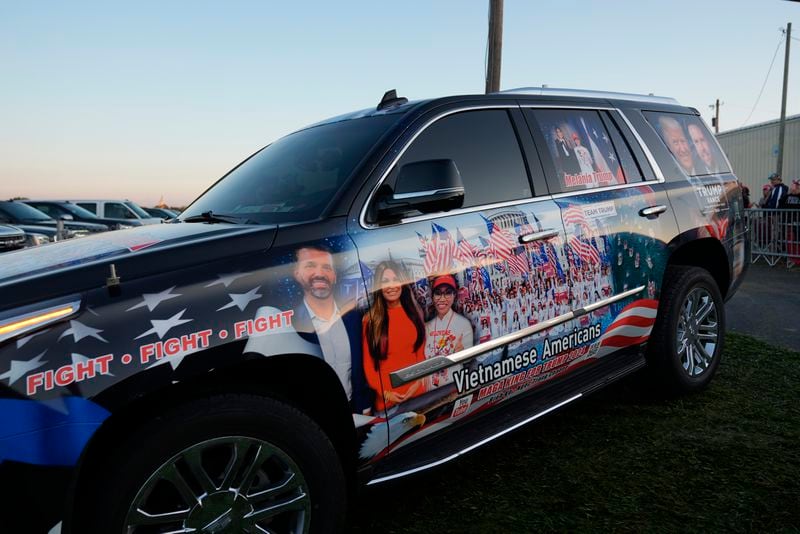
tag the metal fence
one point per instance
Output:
(774, 236)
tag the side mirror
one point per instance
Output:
(67, 217)
(423, 187)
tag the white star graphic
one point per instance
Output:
(226, 279)
(23, 340)
(19, 368)
(241, 300)
(611, 156)
(80, 358)
(605, 137)
(162, 326)
(594, 132)
(151, 300)
(79, 331)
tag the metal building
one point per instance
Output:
(753, 152)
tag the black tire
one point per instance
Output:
(279, 436)
(667, 362)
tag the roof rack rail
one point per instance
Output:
(554, 91)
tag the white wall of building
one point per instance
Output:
(753, 152)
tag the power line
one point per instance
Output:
(765, 81)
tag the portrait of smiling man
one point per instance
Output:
(319, 320)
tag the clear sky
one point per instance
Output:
(143, 99)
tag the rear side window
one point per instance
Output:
(582, 150)
(691, 144)
(91, 206)
(486, 151)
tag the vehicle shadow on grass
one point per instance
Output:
(623, 460)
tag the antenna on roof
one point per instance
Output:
(390, 100)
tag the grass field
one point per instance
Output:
(727, 459)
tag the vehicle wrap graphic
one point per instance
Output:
(461, 281)
(472, 281)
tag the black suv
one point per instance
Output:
(22, 215)
(66, 210)
(361, 300)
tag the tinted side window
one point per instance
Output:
(46, 208)
(581, 149)
(486, 150)
(115, 210)
(91, 206)
(691, 144)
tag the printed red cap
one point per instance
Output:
(447, 279)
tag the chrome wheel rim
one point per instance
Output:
(698, 332)
(223, 485)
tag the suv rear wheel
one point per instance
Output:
(685, 347)
(230, 463)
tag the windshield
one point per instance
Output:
(23, 212)
(78, 211)
(294, 178)
(137, 210)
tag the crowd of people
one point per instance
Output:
(775, 195)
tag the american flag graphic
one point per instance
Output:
(718, 227)
(631, 327)
(501, 243)
(466, 252)
(574, 215)
(585, 251)
(439, 251)
(518, 262)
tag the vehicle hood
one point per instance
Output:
(49, 231)
(80, 225)
(10, 231)
(76, 265)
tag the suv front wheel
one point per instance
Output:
(229, 463)
(685, 346)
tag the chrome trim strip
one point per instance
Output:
(418, 194)
(431, 365)
(584, 93)
(544, 234)
(649, 155)
(599, 189)
(474, 445)
(74, 305)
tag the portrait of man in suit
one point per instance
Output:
(319, 320)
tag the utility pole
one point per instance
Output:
(782, 134)
(715, 118)
(495, 46)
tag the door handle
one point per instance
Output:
(544, 234)
(652, 211)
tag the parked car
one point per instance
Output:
(11, 238)
(118, 209)
(64, 208)
(21, 215)
(162, 213)
(361, 300)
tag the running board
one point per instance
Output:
(484, 428)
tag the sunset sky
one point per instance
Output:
(144, 99)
